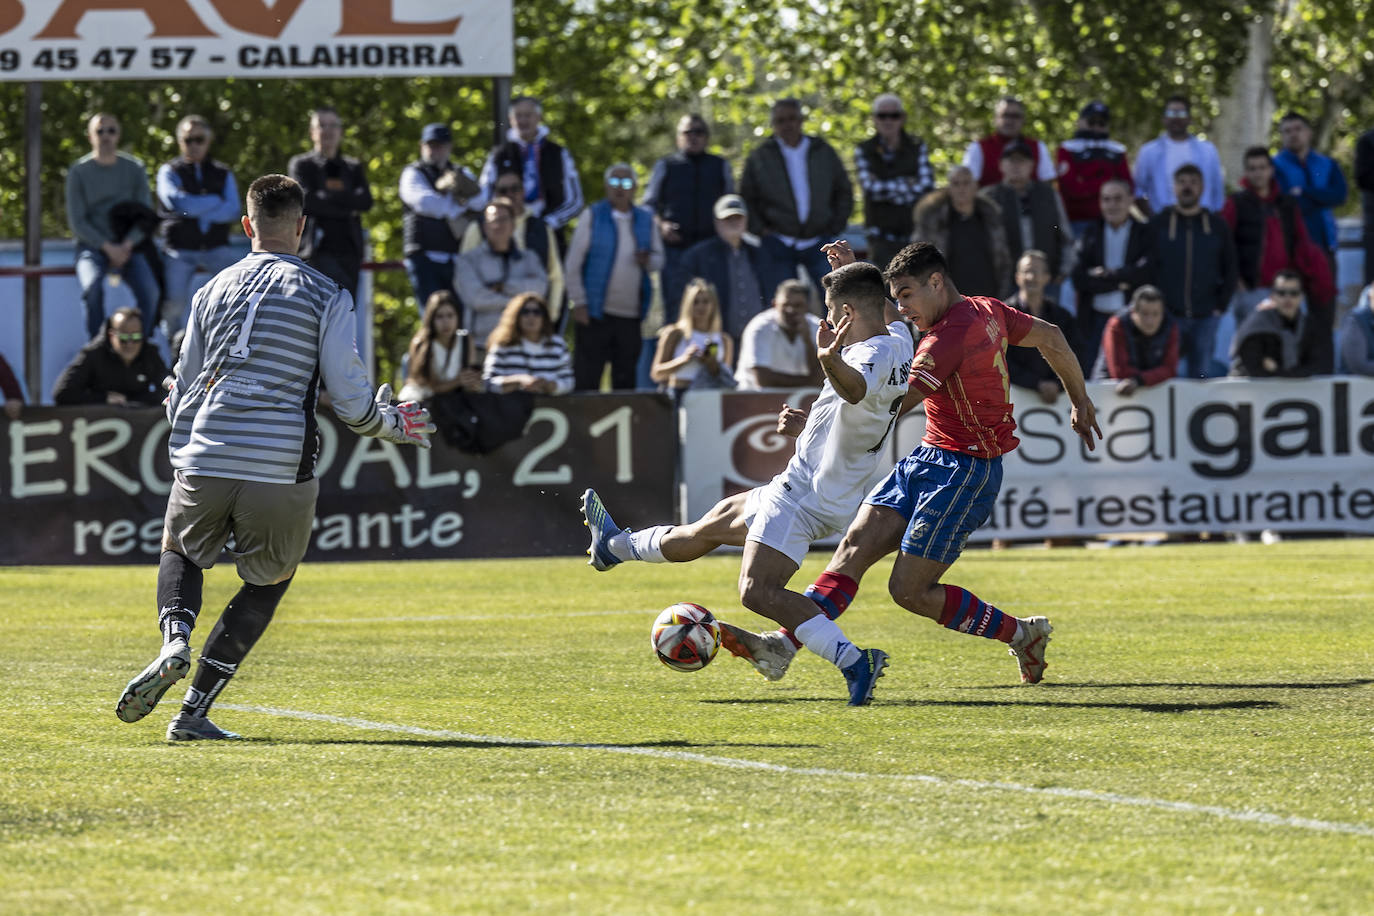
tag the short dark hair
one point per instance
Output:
(1146, 293)
(860, 284)
(917, 260)
(538, 105)
(1181, 99)
(275, 198)
(1187, 168)
(1288, 273)
(1256, 152)
(1294, 116)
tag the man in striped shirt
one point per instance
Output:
(262, 337)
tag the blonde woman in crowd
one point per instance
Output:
(694, 352)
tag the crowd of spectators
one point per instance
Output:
(1148, 264)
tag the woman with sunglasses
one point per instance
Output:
(439, 357)
(524, 353)
(695, 352)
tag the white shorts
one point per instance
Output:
(777, 521)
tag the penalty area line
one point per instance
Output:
(735, 763)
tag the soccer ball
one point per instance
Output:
(686, 637)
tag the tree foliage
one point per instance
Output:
(615, 76)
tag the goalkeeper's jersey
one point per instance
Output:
(261, 338)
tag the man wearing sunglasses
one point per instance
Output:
(117, 367)
(894, 173)
(1278, 339)
(96, 184)
(1159, 160)
(682, 191)
(197, 201)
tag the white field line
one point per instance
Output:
(463, 617)
(1110, 798)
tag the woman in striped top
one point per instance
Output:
(524, 353)
(695, 352)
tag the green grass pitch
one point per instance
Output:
(495, 737)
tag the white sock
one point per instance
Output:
(1020, 634)
(823, 636)
(640, 545)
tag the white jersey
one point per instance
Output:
(839, 450)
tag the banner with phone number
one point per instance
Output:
(89, 485)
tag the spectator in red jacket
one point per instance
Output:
(1139, 345)
(1088, 161)
(984, 157)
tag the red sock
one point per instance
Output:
(966, 613)
(832, 593)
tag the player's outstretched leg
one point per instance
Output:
(964, 612)
(612, 545)
(770, 653)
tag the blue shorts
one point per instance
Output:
(943, 495)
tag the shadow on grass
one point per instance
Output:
(537, 745)
(1297, 685)
(1139, 706)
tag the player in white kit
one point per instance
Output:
(865, 351)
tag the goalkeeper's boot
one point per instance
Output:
(863, 675)
(599, 523)
(143, 692)
(186, 727)
(1029, 648)
(770, 653)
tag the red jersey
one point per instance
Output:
(961, 368)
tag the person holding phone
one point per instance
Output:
(439, 358)
(694, 352)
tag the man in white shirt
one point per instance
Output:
(614, 249)
(1158, 161)
(797, 192)
(865, 351)
(775, 350)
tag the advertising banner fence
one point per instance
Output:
(90, 486)
(214, 39)
(1222, 455)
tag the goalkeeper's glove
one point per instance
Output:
(406, 423)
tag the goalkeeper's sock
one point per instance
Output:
(643, 545)
(832, 593)
(178, 595)
(965, 613)
(238, 628)
(823, 636)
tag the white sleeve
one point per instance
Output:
(342, 371)
(420, 196)
(1045, 170)
(973, 159)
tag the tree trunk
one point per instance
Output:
(1247, 111)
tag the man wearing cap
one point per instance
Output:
(1032, 214)
(682, 188)
(1160, 159)
(730, 260)
(984, 157)
(798, 194)
(1086, 162)
(434, 205)
(894, 174)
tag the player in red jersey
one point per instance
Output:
(940, 493)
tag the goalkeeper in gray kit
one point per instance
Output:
(262, 337)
